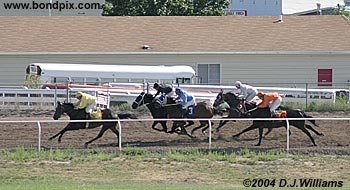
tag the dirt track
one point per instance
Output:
(140, 134)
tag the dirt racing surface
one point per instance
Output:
(336, 138)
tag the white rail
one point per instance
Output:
(119, 121)
(46, 99)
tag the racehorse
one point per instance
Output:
(79, 114)
(154, 107)
(201, 110)
(254, 112)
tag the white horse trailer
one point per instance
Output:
(97, 74)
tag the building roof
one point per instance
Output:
(300, 6)
(173, 34)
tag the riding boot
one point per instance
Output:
(88, 116)
(273, 114)
(184, 112)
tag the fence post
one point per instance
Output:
(39, 136)
(209, 123)
(287, 123)
(307, 95)
(120, 135)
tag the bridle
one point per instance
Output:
(142, 101)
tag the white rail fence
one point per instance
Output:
(44, 99)
(21, 98)
(119, 121)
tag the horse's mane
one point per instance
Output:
(231, 94)
(68, 104)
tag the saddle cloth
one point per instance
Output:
(191, 111)
(96, 114)
(281, 114)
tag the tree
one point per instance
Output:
(165, 7)
(342, 11)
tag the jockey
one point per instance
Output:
(164, 90)
(272, 100)
(247, 92)
(86, 101)
(186, 100)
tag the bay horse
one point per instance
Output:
(201, 110)
(253, 112)
(79, 114)
(154, 107)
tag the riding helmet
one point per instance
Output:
(155, 85)
(238, 84)
(79, 94)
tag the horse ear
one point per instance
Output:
(58, 103)
(142, 93)
(221, 90)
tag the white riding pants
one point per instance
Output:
(275, 104)
(90, 107)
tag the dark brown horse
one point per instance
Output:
(253, 112)
(79, 114)
(201, 110)
(154, 107)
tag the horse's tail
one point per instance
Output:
(313, 121)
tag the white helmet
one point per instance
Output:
(238, 84)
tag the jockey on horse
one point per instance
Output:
(85, 101)
(272, 100)
(186, 100)
(246, 94)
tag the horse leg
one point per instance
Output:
(314, 130)
(189, 123)
(174, 127)
(307, 133)
(59, 133)
(268, 132)
(196, 128)
(184, 131)
(100, 134)
(154, 126)
(116, 132)
(261, 130)
(165, 128)
(69, 127)
(252, 127)
(222, 123)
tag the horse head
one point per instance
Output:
(218, 100)
(142, 99)
(61, 109)
(58, 111)
(230, 98)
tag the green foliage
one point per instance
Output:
(343, 12)
(131, 151)
(340, 104)
(23, 155)
(186, 155)
(126, 108)
(165, 7)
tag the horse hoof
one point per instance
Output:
(235, 136)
